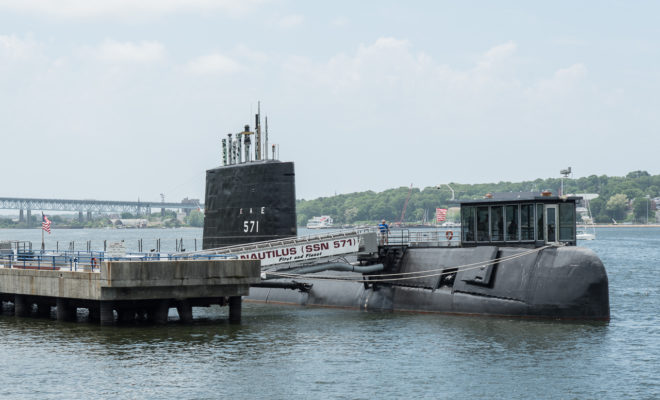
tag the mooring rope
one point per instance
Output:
(415, 275)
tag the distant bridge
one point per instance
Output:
(90, 206)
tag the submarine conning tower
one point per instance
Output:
(251, 197)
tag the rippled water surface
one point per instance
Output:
(285, 352)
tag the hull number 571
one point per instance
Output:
(250, 226)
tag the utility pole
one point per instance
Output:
(566, 172)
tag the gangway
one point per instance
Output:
(301, 250)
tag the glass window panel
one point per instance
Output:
(539, 222)
(527, 222)
(482, 224)
(566, 221)
(552, 224)
(467, 223)
(497, 221)
(511, 218)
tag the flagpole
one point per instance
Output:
(43, 246)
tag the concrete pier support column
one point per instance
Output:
(43, 310)
(185, 311)
(80, 216)
(21, 216)
(29, 217)
(235, 303)
(159, 312)
(65, 311)
(106, 315)
(21, 306)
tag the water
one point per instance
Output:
(60, 238)
(282, 352)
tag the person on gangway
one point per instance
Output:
(384, 231)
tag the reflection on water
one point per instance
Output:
(282, 352)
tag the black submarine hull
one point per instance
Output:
(555, 282)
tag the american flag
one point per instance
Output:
(440, 214)
(45, 223)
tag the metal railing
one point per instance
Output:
(406, 236)
(86, 261)
(282, 242)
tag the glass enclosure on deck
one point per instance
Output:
(518, 219)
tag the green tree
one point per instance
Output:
(196, 218)
(350, 214)
(597, 206)
(641, 209)
(617, 206)
(637, 174)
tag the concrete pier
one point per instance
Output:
(131, 289)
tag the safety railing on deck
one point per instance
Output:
(406, 237)
(85, 261)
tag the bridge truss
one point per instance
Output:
(98, 206)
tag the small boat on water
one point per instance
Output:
(324, 221)
(588, 230)
(584, 235)
(450, 224)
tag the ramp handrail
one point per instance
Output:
(280, 242)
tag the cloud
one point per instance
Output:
(339, 21)
(562, 82)
(143, 52)
(496, 55)
(389, 74)
(290, 21)
(382, 65)
(390, 66)
(251, 55)
(213, 64)
(14, 48)
(77, 9)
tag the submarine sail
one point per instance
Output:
(249, 199)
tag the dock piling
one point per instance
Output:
(106, 313)
(184, 308)
(235, 303)
(65, 311)
(158, 314)
(21, 306)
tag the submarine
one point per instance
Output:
(516, 254)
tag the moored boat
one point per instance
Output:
(321, 222)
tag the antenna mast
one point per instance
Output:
(258, 132)
(266, 144)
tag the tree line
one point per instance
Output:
(627, 198)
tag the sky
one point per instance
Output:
(125, 100)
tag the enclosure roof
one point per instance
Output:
(519, 197)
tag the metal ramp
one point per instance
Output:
(301, 250)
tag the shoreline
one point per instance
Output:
(621, 226)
